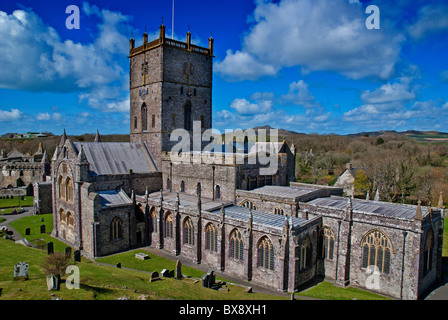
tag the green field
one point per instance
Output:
(16, 202)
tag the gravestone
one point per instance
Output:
(68, 252)
(141, 256)
(154, 276)
(21, 271)
(42, 228)
(53, 282)
(208, 279)
(27, 231)
(77, 256)
(42, 219)
(118, 265)
(50, 249)
(167, 273)
(178, 270)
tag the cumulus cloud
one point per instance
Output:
(432, 18)
(314, 35)
(390, 92)
(39, 60)
(12, 115)
(245, 107)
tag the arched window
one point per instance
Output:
(376, 250)
(135, 122)
(61, 188)
(169, 226)
(69, 190)
(427, 256)
(144, 117)
(305, 254)
(168, 184)
(188, 232)
(266, 254)
(328, 243)
(278, 211)
(236, 245)
(154, 219)
(187, 116)
(70, 220)
(217, 192)
(248, 204)
(62, 216)
(198, 189)
(153, 121)
(211, 238)
(116, 229)
(182, 186)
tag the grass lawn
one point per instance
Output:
(34, 223)
(16, 202)
(102, 282)
(328, 291)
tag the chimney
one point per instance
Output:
(349, 166)
(162, 33)
(145, 38)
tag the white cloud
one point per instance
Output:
(244, 107)
(12, 115)
(390, 92)
(313, 35)
(243, 66)
(432, 18)
(299, 94)
(43, 116)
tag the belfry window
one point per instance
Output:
(144, 117)
(187, 116)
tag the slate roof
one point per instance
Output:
(386, 209)
(283, 191)
(108, 158)
(260, 218)
(111, 198)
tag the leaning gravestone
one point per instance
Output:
(154, 276)
(68, 252)
(21, 271)
(27, 231)
(77, 256)
(205, 280)
(53, 282)
(50, 249)
(178, 270)
(211, 278)
(42, 228)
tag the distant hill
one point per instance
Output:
(418, 135)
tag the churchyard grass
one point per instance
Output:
(34, 223)
(16, 202)
(100, 282)
(327, 291)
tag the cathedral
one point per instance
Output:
(229, 215)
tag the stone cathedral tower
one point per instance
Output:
(171, 86)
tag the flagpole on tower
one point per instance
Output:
(172, 28)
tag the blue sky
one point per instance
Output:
(304, 65)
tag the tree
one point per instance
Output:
(361, 183)
(55, 264)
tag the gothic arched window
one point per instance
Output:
(70, 220)
(169, 226)
(182, 186)
(153, 219)
(188, 232)
(376, 251)
(248, 204)
(278, 211)
(187, 116)
(62, 216)
(236, 245)
(116, 229)
(427, 256)
(328, 243)
(305, 254)
(217, 192)
(144, 117)
(69, 190)
(266, 254)
(211, 238)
